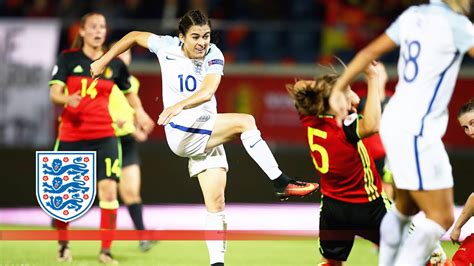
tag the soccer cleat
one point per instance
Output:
(437, 258)
(146, 245)
(296, 189)
(105, 257)
(64, 254)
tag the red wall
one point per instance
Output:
(265, 97)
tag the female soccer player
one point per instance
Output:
(191, 69)
(433, 39)
(86, 123)
(352, 201)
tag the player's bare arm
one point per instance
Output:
(208, 87)
(374, 50)
(128, 41)
(372, 111)
(466, 214)
(471, 52)
(57, 96)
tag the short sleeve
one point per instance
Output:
(135, 84)
(156, 42)
(60, 71)
(214, 61)
(123, 78)
(463, 35)
(393, 31)
(350, 127)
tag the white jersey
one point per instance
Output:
(433, 40)
(181, 76)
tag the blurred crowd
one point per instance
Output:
(283, 31)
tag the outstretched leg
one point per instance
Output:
(231, 126)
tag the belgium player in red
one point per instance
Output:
(86, 124)
(352, 202)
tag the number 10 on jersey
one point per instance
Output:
(189, 83)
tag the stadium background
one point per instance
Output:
(266, 45)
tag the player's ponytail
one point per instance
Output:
(313, 97)
(459, 6)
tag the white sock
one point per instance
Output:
(216, 248)
(258, 149)
(391, 235)
(419, 244)
(438, 254)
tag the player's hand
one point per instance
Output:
(455, 233)
(372, 70)
(74, 99)
(139, 135)
(143, 121)
(97, 68)
(169, 113)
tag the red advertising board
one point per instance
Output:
(265, 97)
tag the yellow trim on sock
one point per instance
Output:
(109, 205)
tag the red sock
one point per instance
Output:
(62, 226)
(108, 221)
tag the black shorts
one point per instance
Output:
(108, 155)
(340, 222)
(129, 150)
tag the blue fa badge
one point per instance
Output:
(65, 183)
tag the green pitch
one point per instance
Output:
(252, 253)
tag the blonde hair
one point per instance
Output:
(459, 6)
(313, 98)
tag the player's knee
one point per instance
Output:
(215, 203)
(129, 196)
(247, 122)
(445, 220)
(107, 190)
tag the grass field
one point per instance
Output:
(279, 252)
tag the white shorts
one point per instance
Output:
(417, 163)
(187, 135)
(214, 158)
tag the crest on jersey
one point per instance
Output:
(108, 73)
(65, 183)
(197, 66)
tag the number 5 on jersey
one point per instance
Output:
(313, 132)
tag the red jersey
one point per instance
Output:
(91, 118)
(465, 253)
(347, 171)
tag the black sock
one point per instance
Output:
(282, 181)
(135, 211)
(218, 264)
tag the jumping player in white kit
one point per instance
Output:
(191, 72)
(433, 39)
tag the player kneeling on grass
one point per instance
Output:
(352, 201)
